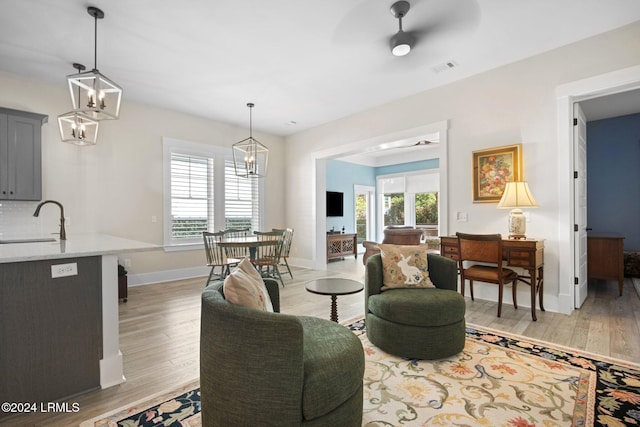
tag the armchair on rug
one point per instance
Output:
(266, 368)
(395, 235)
(421, 322)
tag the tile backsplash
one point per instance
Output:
(16, 219)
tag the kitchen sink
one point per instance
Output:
(27, 240)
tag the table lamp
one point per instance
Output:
(516, 196)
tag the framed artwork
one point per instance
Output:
(492, 169)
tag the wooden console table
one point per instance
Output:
(526, 253)
(605, 257)
(341, 245)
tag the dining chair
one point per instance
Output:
(236, 251)
(485, 249)
(286, 247)
(217, 255)
(268, 250)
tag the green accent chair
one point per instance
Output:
(259, 368)
(416, 323)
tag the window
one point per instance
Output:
(240, 196)
(202, 193)
(393, 209)
(191, 196)
(411, 199)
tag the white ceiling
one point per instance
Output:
(308, 62)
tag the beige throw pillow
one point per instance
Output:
(404, 267)
(244, 286)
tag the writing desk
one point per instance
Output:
(525, 253)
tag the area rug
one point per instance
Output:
(497, 380)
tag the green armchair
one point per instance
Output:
(259, 368)
(416, 323)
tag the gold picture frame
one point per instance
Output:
(492, 169)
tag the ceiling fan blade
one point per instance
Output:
(438, 18)
(365, 22)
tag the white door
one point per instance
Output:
(365, 214)
(580, 205)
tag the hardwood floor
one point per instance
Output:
(160, 324)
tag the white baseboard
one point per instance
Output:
(168, 275)
(189, 273)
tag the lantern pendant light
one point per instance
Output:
(250, 156)
(92, 93)
(75, 126)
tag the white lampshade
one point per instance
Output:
(516, 196)
(76, 128)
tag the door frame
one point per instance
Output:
(370, 191)
(566, 95)
(319, 164)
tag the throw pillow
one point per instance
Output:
(404, 267)
(244, 286)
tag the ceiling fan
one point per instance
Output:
(401, 42)
(442, 17)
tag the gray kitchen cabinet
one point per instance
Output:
(20, 154)
(50, 329)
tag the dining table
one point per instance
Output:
(252, 242)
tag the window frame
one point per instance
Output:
(219, 155)
(409, 197)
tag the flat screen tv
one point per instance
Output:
(335, 202)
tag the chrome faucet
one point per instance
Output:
(63, 233)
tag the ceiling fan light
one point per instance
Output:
(401, 43)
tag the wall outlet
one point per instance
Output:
(154, 218)
(462, 217)
(64, 270)
(127, 263)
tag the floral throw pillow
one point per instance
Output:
(404, 267)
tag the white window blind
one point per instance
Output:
(191, 196)
(241, 200)
(423, 183)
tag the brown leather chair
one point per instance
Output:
(486, 249)
(393, 235)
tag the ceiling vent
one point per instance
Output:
(445, 66)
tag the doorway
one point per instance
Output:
(569, 253)
(365, 214)
(389, 141)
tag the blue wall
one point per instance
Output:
(613, 177)
(342, 176)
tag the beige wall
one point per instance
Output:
(115, 187)
(512, 104)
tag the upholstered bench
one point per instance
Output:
(266, 368)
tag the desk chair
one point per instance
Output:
(217, 255)
(485, 249)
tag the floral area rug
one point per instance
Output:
(497, 380)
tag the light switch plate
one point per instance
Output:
(64, 270)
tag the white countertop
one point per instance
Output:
(80, 245)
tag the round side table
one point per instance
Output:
(334, 287)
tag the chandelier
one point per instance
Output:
(250, 156)
(92, 93)
(75, 126)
